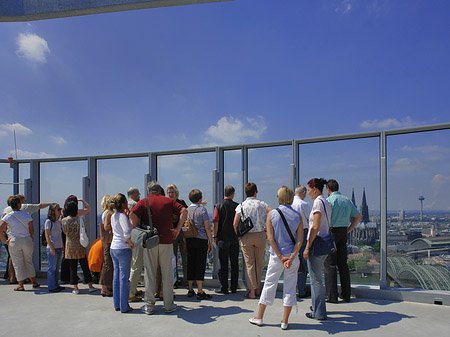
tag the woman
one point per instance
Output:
(106, 273)
(318, 226)
(198, 247)
(19, 241)
(253, 243)
(283, 256)
(53, 235)
(74, 251)
(179, 242)
(121, 247)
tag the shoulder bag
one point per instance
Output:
(147, 237)
(84, 240)
(324, 245)
(301, 267)
(189, 229)
(244, 225)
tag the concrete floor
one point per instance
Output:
(39, 313)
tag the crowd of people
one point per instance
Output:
(291, 231)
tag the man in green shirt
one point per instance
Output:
(344, 218)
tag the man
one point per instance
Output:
(137, 260)
(227, 241)
(30, 209)
(343, 212)
(302, 207)
(162, 210)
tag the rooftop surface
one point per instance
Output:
(39, 313)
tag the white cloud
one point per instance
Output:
(20, 129)
(32, 47)
(344, 6)
(388, 123)
(230, 130)
(425, 148)
(440, 180)
(22, 154)
(58, 140)
(407, 164)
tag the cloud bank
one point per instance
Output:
(230, 130)
(9, 128)
(388, 123)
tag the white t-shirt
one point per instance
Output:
(121, 227)
(18, 224)
(302, 207)
(318, 204)
(256, 210)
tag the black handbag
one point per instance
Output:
(324, 245)
(244, 225)
(145, 236)
(301, 267)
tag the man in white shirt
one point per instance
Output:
(302, 207)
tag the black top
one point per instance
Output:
(226, 210)
(176, 218)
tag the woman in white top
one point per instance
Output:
(284, 248)
(253, 243)
(121, 247)
(53, 235)
(318, 226)
(20, 241)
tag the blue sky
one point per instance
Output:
(236, 72)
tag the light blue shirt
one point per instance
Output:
(342, 210)
(280, 234)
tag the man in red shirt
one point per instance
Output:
(162, 210)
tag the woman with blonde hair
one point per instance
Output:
(285, 235)
(106, 273)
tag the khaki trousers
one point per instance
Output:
(137, 262)
(162, 255)
(21, 251)
(253, 246)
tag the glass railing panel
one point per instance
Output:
(233, 172)
(418, 219)
(187, 172)
(58, 180)
(355, 166)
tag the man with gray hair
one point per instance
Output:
(137, 260)
(162, 210)
(302, 207)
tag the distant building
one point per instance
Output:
(401, 215)
(364, 209)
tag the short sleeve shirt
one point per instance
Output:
(343, 210)
(256, 210)
(302, 207)
(18, 224)
(318, 207)
(199, 218)
(55, 233)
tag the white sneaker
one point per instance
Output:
(284, 326)
(75, 292)
(91, 290)
(258, 322)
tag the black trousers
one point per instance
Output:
(337, 260)
(73, 264)
(228, 250)
(197, 249)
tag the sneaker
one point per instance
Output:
(174, 308)
(75, 292)
(310, 315)
(148, 309)
(134, 299)
(203, 296)
(255, 321)
(190, 293)
(284, 326)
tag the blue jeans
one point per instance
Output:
(301, 281)
(121, 284)
(315, 266)
(54, 264)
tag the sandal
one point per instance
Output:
(19, 289)
(247, 295)
(36, 285)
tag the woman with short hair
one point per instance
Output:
(283, 256)
(20, 242)
(198, 247)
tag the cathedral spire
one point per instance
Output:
(364, 208)
(353, 197)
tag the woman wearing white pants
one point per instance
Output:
(283, 256)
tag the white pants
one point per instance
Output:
(274, 271)
(21, 251)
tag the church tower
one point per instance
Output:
(364, 209)
(353, 197)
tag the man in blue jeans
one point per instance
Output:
(344, 218)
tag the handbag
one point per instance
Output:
(324, 245)
(245, 225)
(145, 236)
(301, 267)
(189, 229)
(84, 240)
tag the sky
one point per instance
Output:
(235, 72)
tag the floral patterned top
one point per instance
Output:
(256, 210)
(74, 249)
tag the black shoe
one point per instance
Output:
(56, 290)
(203, 296)
(61, 288)
(233, 291)
(310, 315)
(345, 299)
(221, 291)
(190, 293)
(332, 301)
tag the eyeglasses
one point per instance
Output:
(59, 209)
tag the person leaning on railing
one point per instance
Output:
(20, 241)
